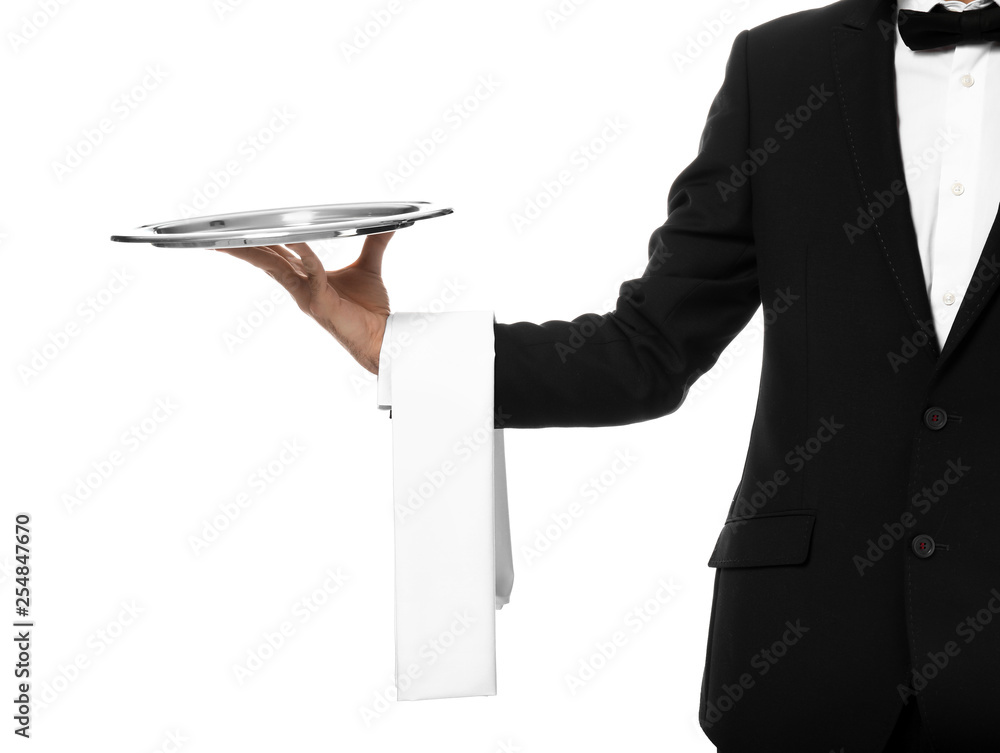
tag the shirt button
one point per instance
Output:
(935, 418)
(957, 188)
(967, 80)
(923, 546)
(949, 298)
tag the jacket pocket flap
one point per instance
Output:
(778, 539)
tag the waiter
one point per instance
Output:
(847, 181)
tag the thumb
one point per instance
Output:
(370, 259)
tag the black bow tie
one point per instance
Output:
(940, 27)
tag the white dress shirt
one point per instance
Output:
(950, 161)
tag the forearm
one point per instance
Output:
(635, 363)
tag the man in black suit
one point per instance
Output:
(864, 533)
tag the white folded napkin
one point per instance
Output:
(453, 563)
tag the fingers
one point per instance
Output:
(286, 254)
(370, 259)
(276, 266)
(261, 257)
(315, 274)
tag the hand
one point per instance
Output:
(351, 304)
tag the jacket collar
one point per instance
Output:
(863, 49)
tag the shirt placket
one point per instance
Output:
(952, 249)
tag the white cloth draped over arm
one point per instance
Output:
(453, 562)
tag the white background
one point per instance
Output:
(185, 329)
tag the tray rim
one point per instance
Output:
(227, 238)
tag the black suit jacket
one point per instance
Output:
(797, 201)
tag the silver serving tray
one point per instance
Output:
(289, 225)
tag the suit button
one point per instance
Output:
(923, 546)
(935, 418)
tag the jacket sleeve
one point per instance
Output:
(697, 292)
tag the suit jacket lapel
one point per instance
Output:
(981, 288)
(863, 55)
(863, 47)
